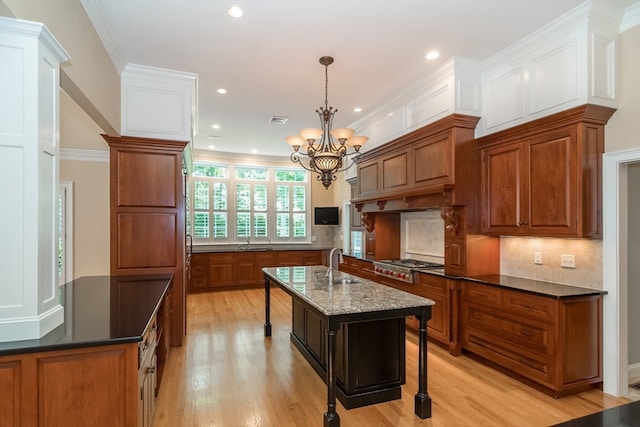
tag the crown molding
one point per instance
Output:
(84, 155)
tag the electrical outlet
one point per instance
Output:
(567, 261)
(537, 258)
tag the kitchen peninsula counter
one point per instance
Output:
(100, 310)
(343, 323)
(102, 366)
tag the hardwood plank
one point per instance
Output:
(229, 374)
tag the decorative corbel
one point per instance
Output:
(368, 219)
(451, 218)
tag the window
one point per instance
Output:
(235, 203)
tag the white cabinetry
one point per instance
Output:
(29, 175)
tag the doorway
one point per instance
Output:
(616, 215)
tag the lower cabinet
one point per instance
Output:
(442, 291)
(370, 356)
(102, 386)
(552, 343)
(95, 386)
(147, 375)
(217, 270)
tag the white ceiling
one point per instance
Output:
(268, 59)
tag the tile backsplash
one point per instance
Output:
(422, 235)
(517, 255)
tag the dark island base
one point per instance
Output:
(349, 401)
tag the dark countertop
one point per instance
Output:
(547, 289)
(100, 310)
(539, 287)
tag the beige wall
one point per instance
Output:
(91, 190)
(90, 68)
(621, 130)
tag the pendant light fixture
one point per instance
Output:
(323, 150)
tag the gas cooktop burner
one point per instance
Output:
(412, 263)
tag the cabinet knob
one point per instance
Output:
(523, 223)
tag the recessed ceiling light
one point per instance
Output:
(357, 109)
(433, 54)
(215, 126)
(254, 151)
(212, 147)
(235, 12)
(222, 91)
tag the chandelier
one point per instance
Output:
(323, 150)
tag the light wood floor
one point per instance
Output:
(228, 374)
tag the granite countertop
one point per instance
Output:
(347, 295)
(548, 289)
(100, 310)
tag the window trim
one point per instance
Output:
(271, 183)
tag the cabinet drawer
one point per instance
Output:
(531, 306)
(527, 334)
(432, 284)
(529, 365)
(148, 343)
(481, 294)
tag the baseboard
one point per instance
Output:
(634, 373)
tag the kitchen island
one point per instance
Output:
(101, 367)
(340, 300)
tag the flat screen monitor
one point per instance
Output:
(326, 216)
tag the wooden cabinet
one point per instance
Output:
(163, 336)
(148, 215)
(432, 166)
(217, 270)
(358, 267)
(246, 269)
(544, 178)
(370, 356)
(222, 269)
(385, 229)
(443, 325)
(95, 386)
(147, 375)
(552, 343)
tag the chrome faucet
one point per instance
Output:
(334, 250)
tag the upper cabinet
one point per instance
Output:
(420, 169)
(544, 178)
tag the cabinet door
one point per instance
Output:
(265, 259)
(246, 271)
(435, 288)
(455, 256)
(504, 185)
(312, 258)
(289, 258)
(368, 178)
(222, 270)
(198, 279)
(370, 246)
(552, 184)
(432, 161)
(395, 171)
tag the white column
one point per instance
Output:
(29, 174)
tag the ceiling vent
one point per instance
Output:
(279, 120)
